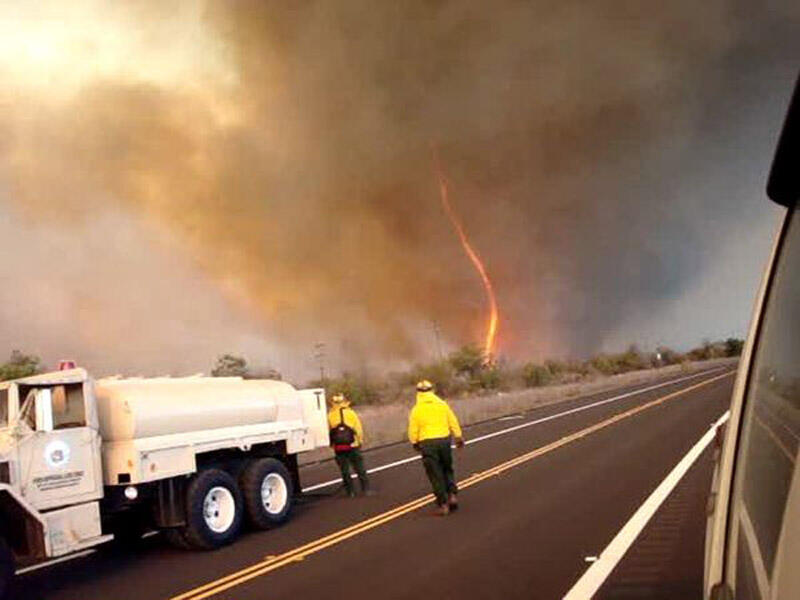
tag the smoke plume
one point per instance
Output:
(596, 153)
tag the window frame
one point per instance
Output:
(5, 398)
(731, 539)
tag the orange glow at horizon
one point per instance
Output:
(491, 326)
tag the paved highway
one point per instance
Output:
(542, 493)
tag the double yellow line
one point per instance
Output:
(276, 562)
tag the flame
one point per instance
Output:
(491, 326)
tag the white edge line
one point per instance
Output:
(488, 436)
(595, 575)
(318, 486)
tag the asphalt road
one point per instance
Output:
(524, 530)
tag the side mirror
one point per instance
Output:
(784, 177)
(44, 410)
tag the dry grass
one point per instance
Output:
(386, 424)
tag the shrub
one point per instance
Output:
(733, 347)
(555, 367)
(536, 375)
(468, 361)
(490, 378)
(605, 364)
(230, 365)
(441, 374)
(708, 351)
(359, 390)
(20, 365)
(669, 356)
(631, 360)
(264, 373)
(580, 368)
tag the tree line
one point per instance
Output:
(465, 371)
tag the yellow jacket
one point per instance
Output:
(431, 418)
(350, 419)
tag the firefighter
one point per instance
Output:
(431, 424)
(347, 437)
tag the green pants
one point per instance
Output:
(437, 457)
(347, 458)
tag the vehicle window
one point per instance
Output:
(68, 406)
(4, 408)
(771, 429)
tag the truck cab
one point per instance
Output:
(50, 464)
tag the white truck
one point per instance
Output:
(84, 461)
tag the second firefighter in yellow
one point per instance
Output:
(431, 424)
(347, 436)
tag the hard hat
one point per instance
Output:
(338, 398)
(424, 386)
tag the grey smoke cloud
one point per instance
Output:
(598, 155)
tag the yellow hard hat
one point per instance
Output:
(338, 398)
(424, 386)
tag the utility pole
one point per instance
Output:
(319, 354)
(438, 339)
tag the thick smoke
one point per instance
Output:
(291, 161)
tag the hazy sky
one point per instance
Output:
(183, 179)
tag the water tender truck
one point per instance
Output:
(84, 461)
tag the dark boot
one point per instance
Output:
(452, 502)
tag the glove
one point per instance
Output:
(415, 446)
(459, 442)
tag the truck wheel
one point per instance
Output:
(214, 510)
(267, 490)
(6, 568)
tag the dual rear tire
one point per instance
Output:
(216, 506)
(267, 491)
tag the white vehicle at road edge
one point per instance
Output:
(753, 528)
(83, 462)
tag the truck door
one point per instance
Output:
(59, 452)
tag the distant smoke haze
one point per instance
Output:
(256, 177)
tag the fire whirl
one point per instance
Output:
(491, 326)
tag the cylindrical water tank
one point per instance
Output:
(139, 408)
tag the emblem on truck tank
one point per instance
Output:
(56, 454)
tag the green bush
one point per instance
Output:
(579, 368)
(708, 351)
(536, 375)
(493, 377)
(631, 360)
(556, 368)
(468, 361)
(230, 365)
(20, 365)
(359, 390)
(441, 374)
(605, 364)
(733, 347)
(669, 356)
